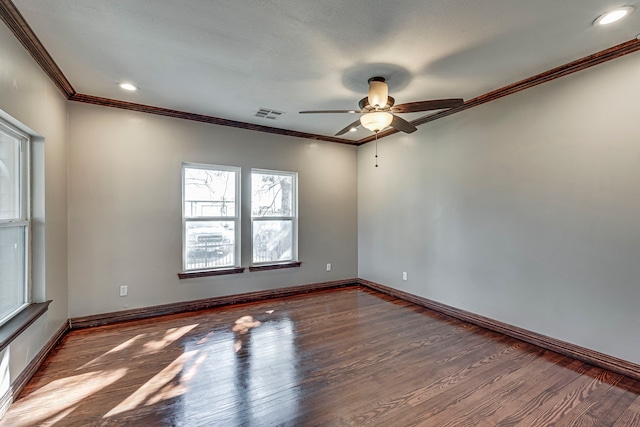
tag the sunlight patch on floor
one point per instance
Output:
(193, 370)
(50, 420)
(100, 359)
(166, 384)
(170, 336)
(241, 327)
(206, 338)
(144, 348)
(70, 391)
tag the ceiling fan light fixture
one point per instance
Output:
(378, 92)
(376, 121)
(613, 15)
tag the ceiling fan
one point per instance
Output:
(379, 111)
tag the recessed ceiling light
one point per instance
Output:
(613, 16)
(128, 86)
(353, 129)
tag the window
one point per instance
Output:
(14, 222)
(210, 217)
(274, 218)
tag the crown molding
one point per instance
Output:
(547, 76)
(114, 103)
(23, 32)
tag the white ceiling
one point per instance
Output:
(229, 58)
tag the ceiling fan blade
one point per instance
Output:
(348, 128)
(434, 104)
(330, 111)
(401, 124)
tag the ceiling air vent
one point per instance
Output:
(266, 113)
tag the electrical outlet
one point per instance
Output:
(404, 275)
(123, 291)
(328, 266)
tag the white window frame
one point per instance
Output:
(236, 219)
(23, 220)
(293, 218)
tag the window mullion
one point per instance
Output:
(14, 223)
(273, 218)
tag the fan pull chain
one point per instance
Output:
(376, 149)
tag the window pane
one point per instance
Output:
(209, 193)
(9, 177)
(272, 241)
(210, 244)
(271, 195)
(12, 269)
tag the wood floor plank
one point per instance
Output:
(631, 416)
(435, 405)
(570, 398)
(367, 388)
(503, 395)
(608, 397)
(541, 389)
(336, 357)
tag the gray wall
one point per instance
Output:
(525, 210)
(33, 103)
(125, 207)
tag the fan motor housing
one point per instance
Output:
(365, 106)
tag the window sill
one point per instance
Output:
(208, 273)
(14, 327)
(275, 266)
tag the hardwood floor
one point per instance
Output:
(331, 358)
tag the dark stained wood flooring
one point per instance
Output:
(346, 357)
